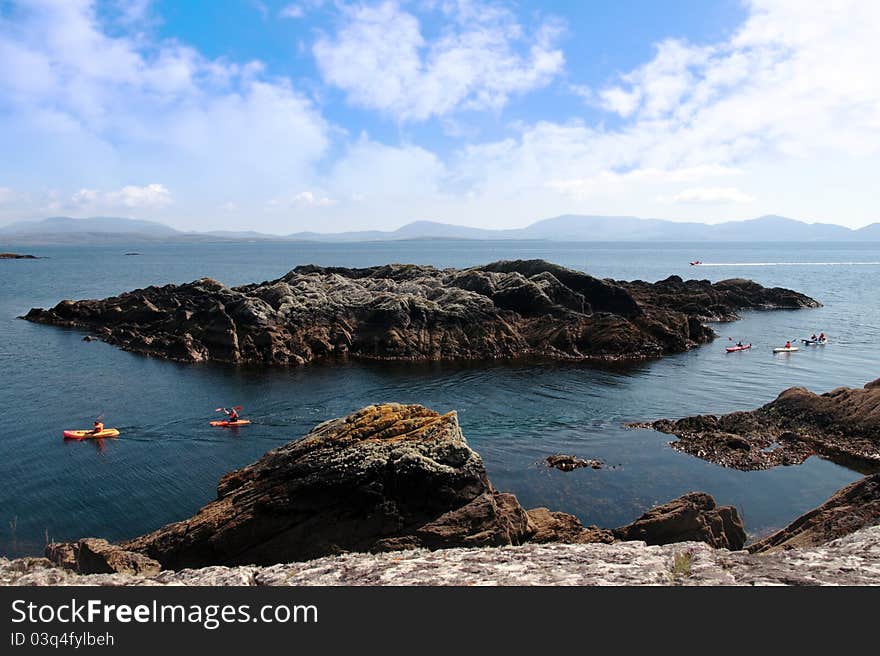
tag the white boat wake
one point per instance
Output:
(759, 264)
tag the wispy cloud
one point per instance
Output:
(292, 11)
(712, 195)
(129, 197)
(483, 55)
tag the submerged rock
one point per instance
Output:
(566, 463)
(507, 309)
(842, 425)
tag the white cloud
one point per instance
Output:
(310, 199)
(381, 59)
(791, 102)
(151, 196)
(107, 108)
(712, 195)
(611, 181)
(291, 11)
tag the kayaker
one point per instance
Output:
(814, 338)
(739, 343)
(233, 415)
(822, 337)
(788, 344)
(98, 427)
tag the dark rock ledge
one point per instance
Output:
(842, 425)
(406, 312)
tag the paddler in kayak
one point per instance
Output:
(822, 337)
(98, 426)
(788, 344)
(231, 413)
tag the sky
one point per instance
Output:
(281, 116)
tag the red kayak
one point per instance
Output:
(731, 349)
(226, 422)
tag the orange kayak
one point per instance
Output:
(226, 422)
(89, 434)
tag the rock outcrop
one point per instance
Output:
(406, 312)
(842, 425)
(16, 256)
(96, 556)
(849, 510)
(693, 517)
(387, 477)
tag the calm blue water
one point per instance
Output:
(167, 463)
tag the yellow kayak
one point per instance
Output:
(89, 434)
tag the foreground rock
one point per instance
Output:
(96, 556)
(406, 312)
(842, 425)
(16, 256)
(850, 509)
(387, 477)
(853, 560)
(692, 517)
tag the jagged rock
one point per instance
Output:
(97, 556)
(691, 517)
(568, 463)
(852, 508)
(842, 425)
(62, 554)
(509, 309)
(548, 526)
(387, 477)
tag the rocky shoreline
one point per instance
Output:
(503, 310)
(393, 494)
(842, 425)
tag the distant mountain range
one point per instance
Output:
(66, 230)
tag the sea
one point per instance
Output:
(168, 460)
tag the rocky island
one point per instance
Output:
(16, 256)
(393, 494)
(507, 309)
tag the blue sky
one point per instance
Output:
(280, 115)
